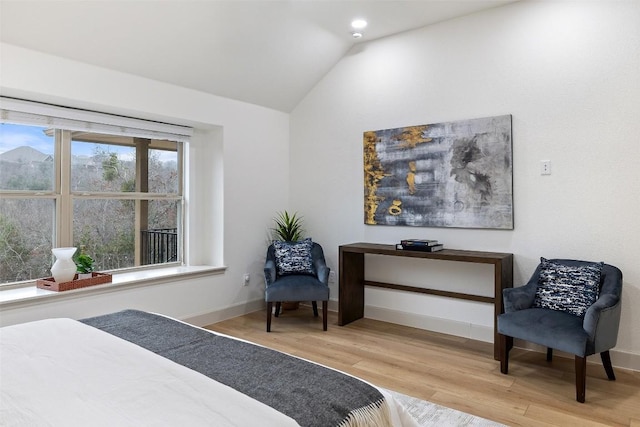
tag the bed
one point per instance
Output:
(137, 368)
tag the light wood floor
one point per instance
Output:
(451, 371)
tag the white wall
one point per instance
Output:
(238, 179)
(568, 72)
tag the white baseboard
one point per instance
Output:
(619, 359)
(435, 324)
(624, 359)
(209, 318)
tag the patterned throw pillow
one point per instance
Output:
(572, 289)
(294, 257)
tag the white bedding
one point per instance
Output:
(60, 372)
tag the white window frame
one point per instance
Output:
(64, 120)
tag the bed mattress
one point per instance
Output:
(135, 368)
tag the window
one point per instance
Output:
(116, 193)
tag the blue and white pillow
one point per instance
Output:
(572, 289)
(294, 257)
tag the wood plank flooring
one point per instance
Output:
(451, 371)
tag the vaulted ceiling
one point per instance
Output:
(266, 52)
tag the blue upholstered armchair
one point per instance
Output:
(288, 280)
(593, 329)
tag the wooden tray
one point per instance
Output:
(95, 279)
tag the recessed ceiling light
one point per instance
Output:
(358, 24)
(356, 34)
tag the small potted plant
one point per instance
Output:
(84, 264)
(288, 227)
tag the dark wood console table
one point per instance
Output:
(352, 282)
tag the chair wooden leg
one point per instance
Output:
(269, 308)
(581, 378)
(505, 345)
(606, 362)
(278, 305)
(315, 308)
(324, 315)
(549, 354)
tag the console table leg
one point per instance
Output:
(351, 293)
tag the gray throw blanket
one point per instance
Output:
(311, 394)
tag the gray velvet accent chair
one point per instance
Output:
(596, 332)
(297, 287)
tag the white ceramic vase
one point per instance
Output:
(64, 269)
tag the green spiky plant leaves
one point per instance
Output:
(288, 227)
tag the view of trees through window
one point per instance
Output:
(118, 197)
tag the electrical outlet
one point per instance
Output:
(545, 167)
(246, 279)
(332, 277)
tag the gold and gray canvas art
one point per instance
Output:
(452, 174)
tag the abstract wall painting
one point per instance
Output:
(454, 174)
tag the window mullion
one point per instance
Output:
(181, 223)
(142, 185)
(64, 207)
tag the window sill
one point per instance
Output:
(29, 294)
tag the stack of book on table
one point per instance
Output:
(420, 245)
